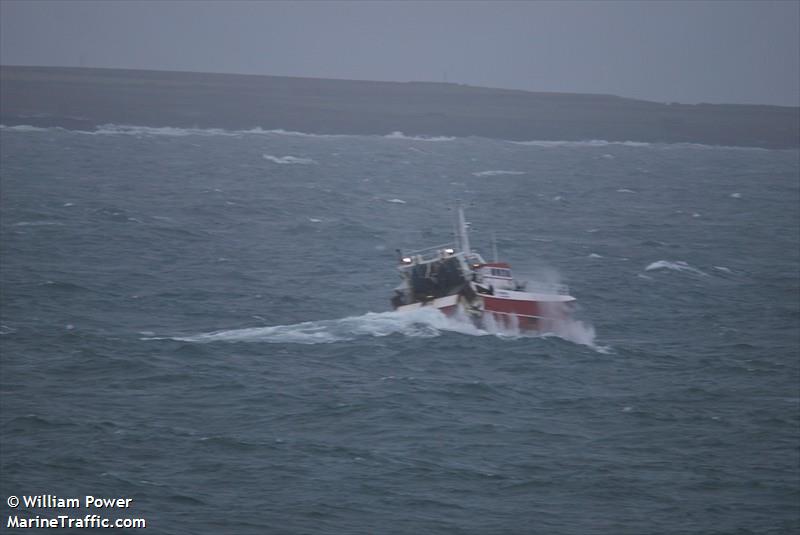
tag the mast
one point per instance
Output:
(463, 237)
(456, 235)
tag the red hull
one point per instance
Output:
(515, 314)
(511, 314)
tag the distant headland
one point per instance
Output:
(84, 98)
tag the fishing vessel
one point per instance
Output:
(457, 280)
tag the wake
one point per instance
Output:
(420, 323)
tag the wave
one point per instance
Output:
(678, 265)
(112, 129)
(27, 128)
(37, 224)
(644, 144)
(169, 131)
(133, 130)
(288, 159)
(420, 323)
(586, 143)
(294, 133)
(498, 173)
(400, 135)
(5, 329)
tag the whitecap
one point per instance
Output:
(644, 144)
(38, 224)
(678, 265)
(291, 160)
(5, 329)
(293, 133)
(170, 131)
(625, 190)
(131, 130)
(736, 195)
(585, 143)
(400, 135)
(498, 173)
(134, 130)
(23, 128)
(396, 201)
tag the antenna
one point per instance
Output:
(494, 246)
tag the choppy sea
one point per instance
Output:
(198, 320)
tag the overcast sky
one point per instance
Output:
(666, 51)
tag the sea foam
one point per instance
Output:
(24, 128)
(400, 135)
(677, 265)
(586, 143)
(134, 130)
(604, 143)
(424, 322)
(291, 160)
(498, 173)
